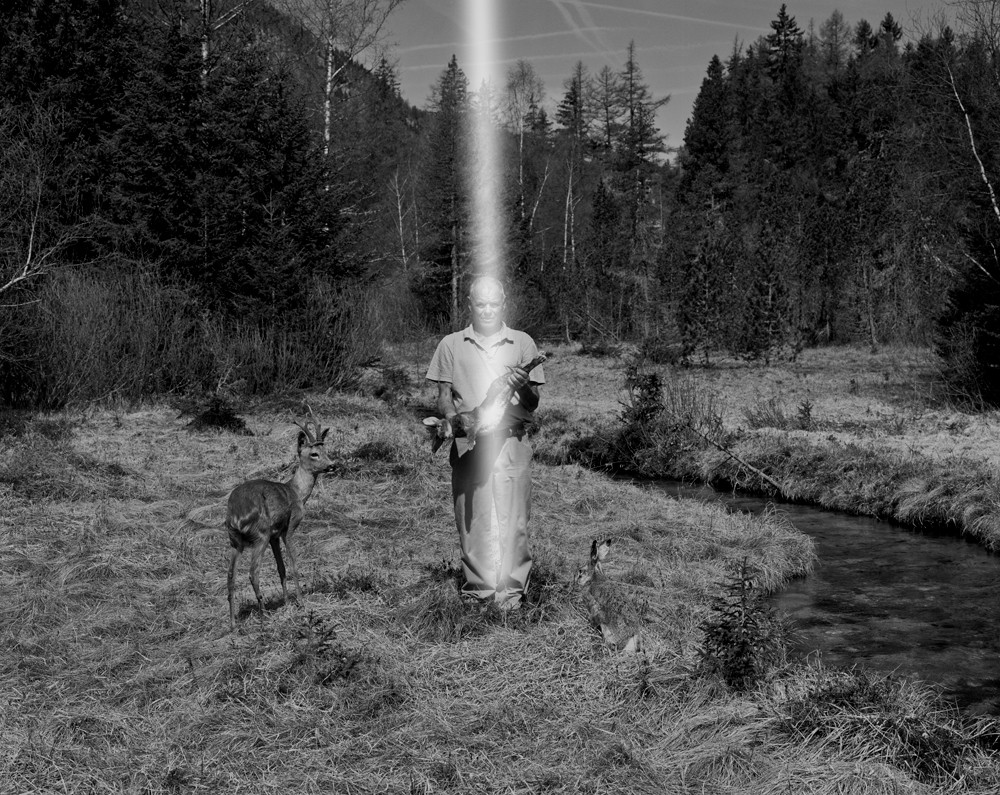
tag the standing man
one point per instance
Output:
(491, 483)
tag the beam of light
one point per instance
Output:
(487, 244)
(484, 172)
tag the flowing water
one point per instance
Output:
(890, 599)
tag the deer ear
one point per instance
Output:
(322, 436)
(302, 439)
(601, 550)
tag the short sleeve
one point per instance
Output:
(529, 352)
(442, 366)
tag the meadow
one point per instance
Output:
(123, 676)
(843, 428)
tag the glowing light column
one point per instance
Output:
(484, 173)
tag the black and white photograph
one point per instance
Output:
(500, 397)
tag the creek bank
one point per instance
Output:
(958, 495)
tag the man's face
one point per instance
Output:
(487, 304)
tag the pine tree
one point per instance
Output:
(220, 183)
(707, 137)
(784, 45)
(864, 38)
(446, 197)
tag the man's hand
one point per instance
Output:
(447, 429)
(517, 377)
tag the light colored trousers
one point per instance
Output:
(491, 486)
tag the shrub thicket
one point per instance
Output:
(123, 335)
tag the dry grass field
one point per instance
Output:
(121, 674)
(886, 400)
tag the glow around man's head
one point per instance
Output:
(484, 173)
(487, 285)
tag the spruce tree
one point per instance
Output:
(444, 219)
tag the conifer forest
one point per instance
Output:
(201, 194)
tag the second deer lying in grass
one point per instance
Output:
(262, 512)
(609, 611)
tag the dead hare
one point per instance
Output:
(607, 608)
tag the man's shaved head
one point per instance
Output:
(486, 284)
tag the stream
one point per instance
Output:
(894, 600)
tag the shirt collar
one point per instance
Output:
(491, 341)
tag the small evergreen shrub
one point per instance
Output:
(744, 640)
(318, 652)
(644, 396)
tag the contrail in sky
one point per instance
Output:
(666, 15)
(525, 37)
(583, 31)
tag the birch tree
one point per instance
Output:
(344, 30)
(524, 95)
(575, 115)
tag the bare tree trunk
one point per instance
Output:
(416, 223)
(972, 145)
(454, 276)
(400, 219)
(206, 32)
(569, 222)
(208, 26)
(328, 97)
(520, 167)
(538, 199)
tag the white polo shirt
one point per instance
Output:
(471, 362)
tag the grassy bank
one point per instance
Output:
(840, 428)
(122, 675)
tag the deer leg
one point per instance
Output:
(276, 549)
(231, 586)
(292, 564)
(255, 554)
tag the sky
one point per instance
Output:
(674, 39)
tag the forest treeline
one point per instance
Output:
(213, 196)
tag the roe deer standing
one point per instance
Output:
(262, 512)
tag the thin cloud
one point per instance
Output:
(525, 37)
(571, 56)
(583, 29)
(668, 15)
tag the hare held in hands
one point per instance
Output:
(262, 512)
(607, 609)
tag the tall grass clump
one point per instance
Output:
(770, 413)
(900, 722)
(110, 336)
(123, 335)
(323, 345)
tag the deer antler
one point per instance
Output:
(312, 428)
